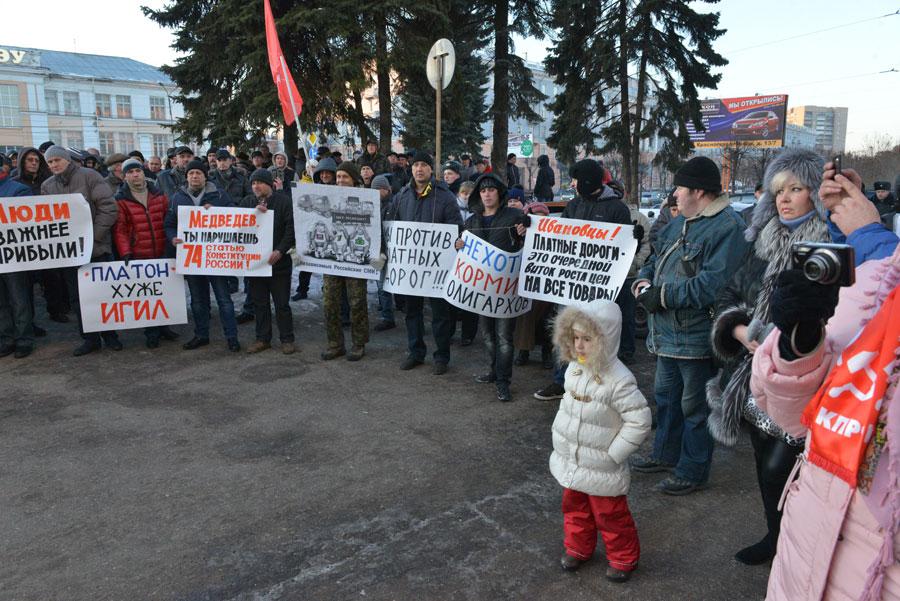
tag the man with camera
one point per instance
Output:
(697, 254)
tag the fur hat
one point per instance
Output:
(604, 317)
(807, 166)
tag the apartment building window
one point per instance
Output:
(74, 138)
(51, 99)
(161, 143)
(158, 108)
(123, 107)
(9, 106)
(71, 103)
(126, 142)
(107, 144)
(103, 104)
(55, 136)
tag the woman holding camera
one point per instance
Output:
(837, 386)
(788, 211)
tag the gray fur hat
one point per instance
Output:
(803, 163)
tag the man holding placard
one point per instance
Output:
(426, 200)
(278, 286)
(198, 192)
(502, 227)
(70, 178)
(16, 312)
(139, 232)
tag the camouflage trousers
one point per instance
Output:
(359, 311)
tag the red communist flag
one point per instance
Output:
(288, 95)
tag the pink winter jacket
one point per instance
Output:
(836, 543)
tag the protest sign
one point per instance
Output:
(116, 296)
(420, 257)
(224, 241)
(569, 261)
(485, 280)
(338, 229)
(45, 232)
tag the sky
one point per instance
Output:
(831, 68)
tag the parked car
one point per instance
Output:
(742, 200)
(560, 200)
(757, 124)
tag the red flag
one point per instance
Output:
(288, 95)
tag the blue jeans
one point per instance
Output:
(498, 340)
(200, 306)
(627, 304)
(16, 312)
(441, 327)
(385, 300)
(682, 437)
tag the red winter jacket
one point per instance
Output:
(139, 232)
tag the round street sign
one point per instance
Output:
(442, 48)
(527, 148)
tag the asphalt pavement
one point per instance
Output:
(211, 476)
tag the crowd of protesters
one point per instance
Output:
(745, 340)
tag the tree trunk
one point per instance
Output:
(359, 119)
(624, 98)
(382, 67)
(500, 109)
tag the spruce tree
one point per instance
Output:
(662, 46)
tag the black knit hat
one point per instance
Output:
(223, 154)
(196, 164)
(452, 166)
(264, 176)
(699, 173)
(423, 157)
(881, 186)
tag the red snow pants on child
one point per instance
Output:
(584, 515)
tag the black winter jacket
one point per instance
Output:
(543, 187)
(232, 181)
(283, 233)
(502, 230)
(606, 207)
(438, 206)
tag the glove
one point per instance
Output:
(638, 231)
(796, 300)
(378, 262)
(127, 258)
(651, 299)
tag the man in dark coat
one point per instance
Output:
(374, 159)
(16, 308)
(543, 187)
(513, 177)
(503, 227)
(426, 200)
(197, 192)
(278, 286)
(223, 174)
(171, 180)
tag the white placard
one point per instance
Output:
(115, 296)
(570, 261)
(485, 280)
(338, 229)
(224, 241)
(45, 232)
(420, 257)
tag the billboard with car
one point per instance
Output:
(748, 121)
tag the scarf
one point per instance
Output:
(139, 192)
(841, 417)
(793, 224)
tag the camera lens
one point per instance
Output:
(822, 266)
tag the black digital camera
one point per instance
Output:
(825, 263)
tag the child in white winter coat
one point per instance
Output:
(602, 419)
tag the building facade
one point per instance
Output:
(799, 136)
(829, 123)
(113, 104)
